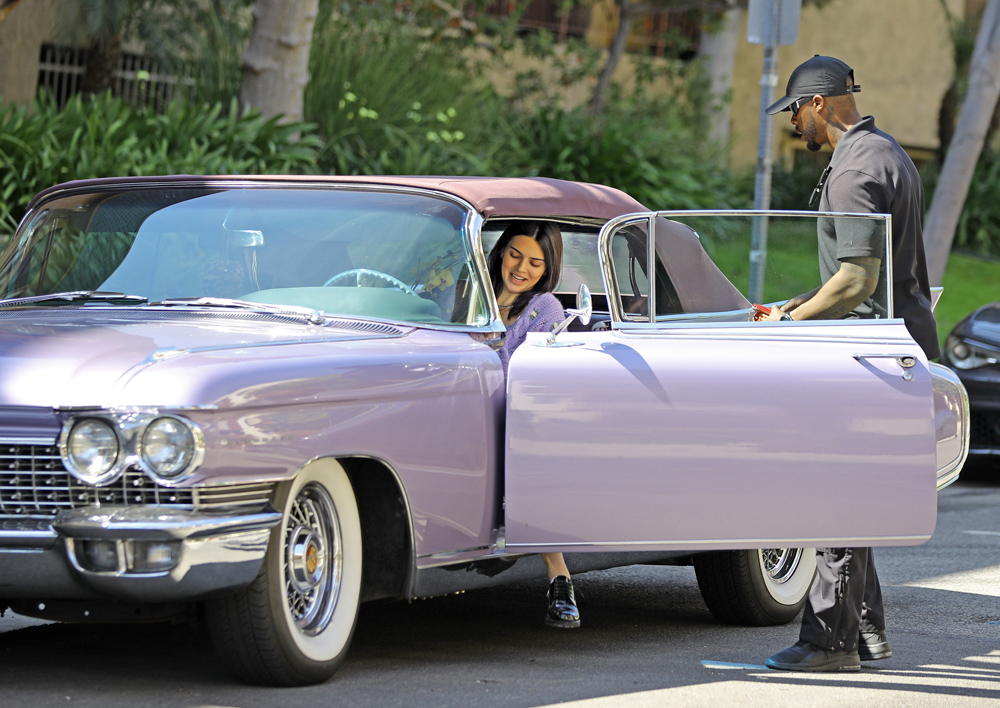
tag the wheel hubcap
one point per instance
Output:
(313, 559)
(780, 563)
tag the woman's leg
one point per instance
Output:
(562, 611)
(555, 564)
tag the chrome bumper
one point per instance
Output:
(137, 554)
(951, 422)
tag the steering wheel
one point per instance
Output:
(358, 272)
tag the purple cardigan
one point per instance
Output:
(541, 314)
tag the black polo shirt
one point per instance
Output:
(871, 174)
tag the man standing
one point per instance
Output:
(843, 622)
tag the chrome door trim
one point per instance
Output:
(614, 225)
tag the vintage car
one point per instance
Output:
(972, 349)
(258, 397)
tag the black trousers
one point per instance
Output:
(844, 593)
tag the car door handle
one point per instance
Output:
(905, 360)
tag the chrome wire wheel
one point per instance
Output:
(293, 624)
(780, 563)
(787, 572)
(313, 559)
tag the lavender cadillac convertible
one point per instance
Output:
(259, 397)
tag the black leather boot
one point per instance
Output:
(562, 612)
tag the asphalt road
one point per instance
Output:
(646, 640)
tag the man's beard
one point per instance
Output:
(809, 134)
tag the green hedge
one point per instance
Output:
(103, 136)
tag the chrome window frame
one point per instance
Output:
(610, 228)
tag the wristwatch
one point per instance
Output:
(785, 317)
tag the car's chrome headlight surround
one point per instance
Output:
(169, 446)
(965, 354)
(130, 429)
(100, 465)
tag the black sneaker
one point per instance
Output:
(562, 612)
(804, 656)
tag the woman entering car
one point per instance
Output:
(524, 268)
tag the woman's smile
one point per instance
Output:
(523, 266)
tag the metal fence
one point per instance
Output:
(137, 79)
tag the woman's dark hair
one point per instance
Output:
(549, 238)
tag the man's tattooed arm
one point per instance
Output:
(849, 287)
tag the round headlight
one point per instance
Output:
(92, 449)
(167, 447)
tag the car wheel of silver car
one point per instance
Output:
(292, 626)
(756, 587)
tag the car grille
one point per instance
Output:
(984, 430)
(34, 483)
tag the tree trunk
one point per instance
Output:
(966, 145)
(102, 60)
(276, 62)
(614, 56)
(718, 52)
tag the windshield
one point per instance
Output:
(350, 252)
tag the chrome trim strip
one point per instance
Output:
(157, 524)
(726, 543)
(450, 554)
(43, 442)
(27, 539)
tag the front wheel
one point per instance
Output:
(756, 588)
(292, 626)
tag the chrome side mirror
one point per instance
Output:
(583, 310)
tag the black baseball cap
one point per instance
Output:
(820, 76)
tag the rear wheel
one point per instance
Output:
(293, 625)
(756, 588)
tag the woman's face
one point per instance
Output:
(523, 265)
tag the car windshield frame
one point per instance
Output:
(448, 217)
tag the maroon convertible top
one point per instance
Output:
(699, 283)
(490, 196)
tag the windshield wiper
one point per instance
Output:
(74, 296)
(307, 313)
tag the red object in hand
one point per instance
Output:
(759, 312)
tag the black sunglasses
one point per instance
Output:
(798, 104)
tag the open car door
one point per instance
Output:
(686, 426)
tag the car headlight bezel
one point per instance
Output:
(130, 428)
(75, 464)
(192, 449)
(964, 354)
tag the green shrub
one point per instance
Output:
(102, 136)
(638, 146)
(386, 100)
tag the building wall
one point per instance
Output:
(21, 35)
(901, 54)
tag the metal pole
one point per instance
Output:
(765, 138)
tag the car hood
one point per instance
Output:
(983, 325)
(88, 357)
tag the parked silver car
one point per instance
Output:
(259, 395)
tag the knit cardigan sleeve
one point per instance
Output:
(541, 314)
